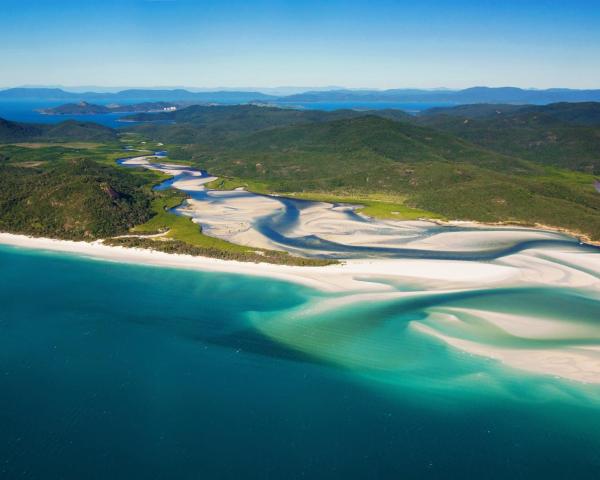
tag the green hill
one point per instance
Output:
(14, 132)
(78, 199)
(563, 134)
(584, 113)
(198, 124)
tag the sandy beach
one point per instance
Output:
(352, 275)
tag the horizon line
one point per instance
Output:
(117, 89)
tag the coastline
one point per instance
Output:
(366, 275)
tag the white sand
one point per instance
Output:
(578, 363)
(355, 275)
(230, 216)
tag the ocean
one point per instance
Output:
(120, 371)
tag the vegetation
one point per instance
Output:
(73, 199)
(564, 134)
(184, 248)
(213, 125)
(13, 132)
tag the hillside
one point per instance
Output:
(198, 124)
(12, 132)
(565, 135)
(76, 199)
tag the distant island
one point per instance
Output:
(85, 108)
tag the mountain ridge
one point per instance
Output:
(462, 96)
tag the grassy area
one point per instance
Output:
(225, 183)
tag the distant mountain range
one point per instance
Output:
(470, 95)
(57, 94)
(506, 95)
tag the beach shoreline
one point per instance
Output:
(348, 276)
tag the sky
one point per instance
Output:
(354, 44)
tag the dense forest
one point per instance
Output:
(69, 131)
(75, 199)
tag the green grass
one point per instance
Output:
(233, 183)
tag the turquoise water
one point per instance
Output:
(121, 371)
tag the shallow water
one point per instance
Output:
(121, 371)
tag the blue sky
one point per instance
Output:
(380, 44)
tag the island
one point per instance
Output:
(85, 108)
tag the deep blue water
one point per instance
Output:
(125, 372)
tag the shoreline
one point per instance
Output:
(351, 276)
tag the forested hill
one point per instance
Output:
(562, 134)
(76, 198)
(241, 116)
(200, 123)
(584, 113)
(13, 132)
